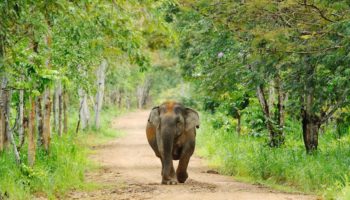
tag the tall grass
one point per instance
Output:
(59, 171)
(52, 175)
(289, 167)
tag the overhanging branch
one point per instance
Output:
(340, 103)
(317, 9)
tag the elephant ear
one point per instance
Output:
(192, 119)
(154, 118)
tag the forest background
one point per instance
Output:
(271, 79)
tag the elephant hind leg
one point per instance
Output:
(181, 172)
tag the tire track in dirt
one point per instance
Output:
(130, 170)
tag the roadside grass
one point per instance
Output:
(288, 168)
(60, 171)
(94, 136)
(345, 193)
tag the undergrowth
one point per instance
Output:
(58, 172)
(247, 157)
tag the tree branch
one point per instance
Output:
(307, 52)
(316, 9)
(262, 100)
(340, 103)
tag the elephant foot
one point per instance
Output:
(182, 177)
(169, 182)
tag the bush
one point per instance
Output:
(60, 171)
(250, 158)
(52, 174)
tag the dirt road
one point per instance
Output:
(130, 170)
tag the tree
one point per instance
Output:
(34, 58)
(290, 46)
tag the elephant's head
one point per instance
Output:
(171, 120)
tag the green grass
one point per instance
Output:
(62, 170)
(248, 158)
(52, 175)
(345, 193)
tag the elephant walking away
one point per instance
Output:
(171, 132)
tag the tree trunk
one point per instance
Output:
(25, 132)
(310, 121)
(2, 117)
(47, 94)
(119, 98)
(276, 135)
(54, 110)
(239, 117)
(262, 100)
(3, 135)
(39, 119)
(271, 97)
(84, 114)
(266, 111)
(79, 117)
(60, 110)
(280, 110)
(21, 119)
(6, 110)
(47, 117)
(55, 107)
(31, 134)
(128, 102)
(280, 103)
(65, 111)
(100, 91)
(143, 93)
(311, 126)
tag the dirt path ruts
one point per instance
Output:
(130, 170)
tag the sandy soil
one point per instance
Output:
(130, 170)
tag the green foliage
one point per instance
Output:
(225, 49)
(248, 158)
(51, 176)
(62, 170)
(342, 124)
(46, 42)
(230, 48)
(345, 193)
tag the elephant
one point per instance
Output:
(171, 132)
